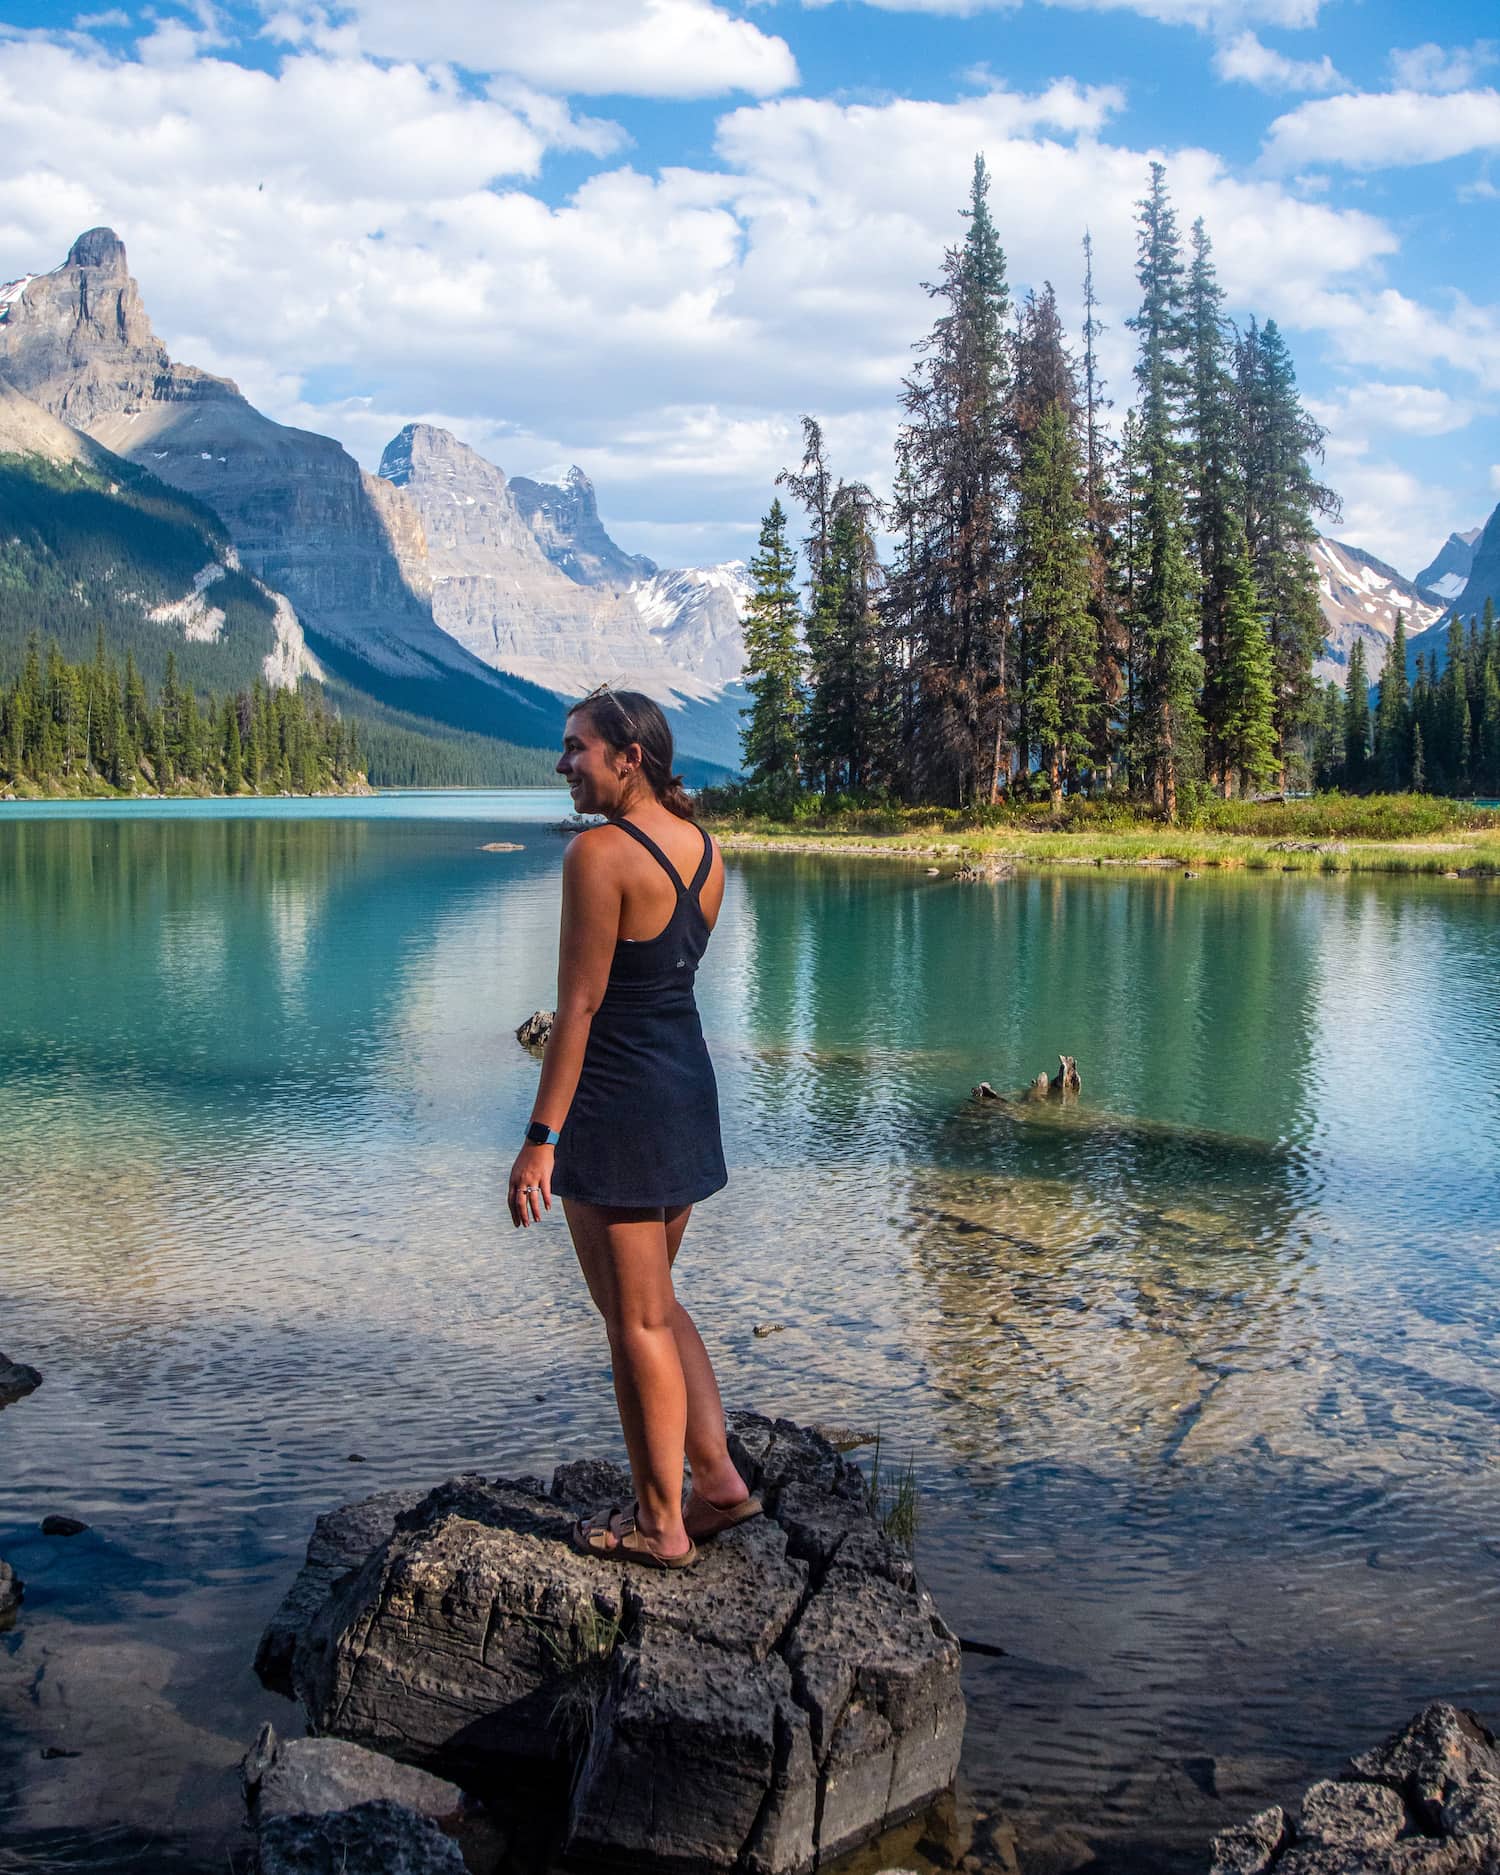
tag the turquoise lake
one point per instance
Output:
(1198, 1374)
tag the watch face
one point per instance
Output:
(537, 1134)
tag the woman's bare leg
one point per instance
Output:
(714, 1473)
(629, 1273)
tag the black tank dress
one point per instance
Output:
(643, 1129)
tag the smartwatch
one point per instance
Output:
(540, 1134)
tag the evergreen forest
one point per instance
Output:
(1051, 604)
(99, 695)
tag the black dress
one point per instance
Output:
(643, 1129)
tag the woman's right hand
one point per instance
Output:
(530, 1188)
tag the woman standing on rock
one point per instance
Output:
(625, 1129)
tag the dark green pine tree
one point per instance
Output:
(1247, 721)
(231, 747)
(1451, 769)
(952, 591)
(1328, 746)
(1393, 716)
(773, 662)
(1487, 777)
(1052, 564)
(1101, 467)
(1357, 720)
(1283, 499)
(1166, 730)
(1216, 498)
(841, 736)
(1418, 763)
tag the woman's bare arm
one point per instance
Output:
(590, 925)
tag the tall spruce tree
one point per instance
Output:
(954, 586)
(1283, 499)
(1356, 719)
(1053, 584)
(1166, 728)
(1247, 726)
(773, 661)
(1216, 499)
(1393, 716)
(1101, 458)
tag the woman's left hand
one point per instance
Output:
(530, 1185)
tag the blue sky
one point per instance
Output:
(645, 235)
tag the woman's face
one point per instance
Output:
(597, 775)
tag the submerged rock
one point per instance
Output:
(311, 1776)
(12, 1592)
(794, 1694)
(56, 1524)
(1426, 1802)
(371, 1839)
(16, 1380)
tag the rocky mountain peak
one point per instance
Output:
(565, 519)
(423, 448)
(77, 340)
(101, 248)
(1448, 573)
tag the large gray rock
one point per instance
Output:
(312, 1776)
(371, 1839)
(792, 1695)
(341, 1541)
(12, 1589)
(16, 1380)
(1426, 1802)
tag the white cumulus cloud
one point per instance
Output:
(642, 48)
(1441, 68)
(1245, 60)
(1409, 409)
(1385, 129)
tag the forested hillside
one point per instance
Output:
(100, 551)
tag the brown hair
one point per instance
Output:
(621, 717)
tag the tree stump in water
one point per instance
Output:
(535, 1032)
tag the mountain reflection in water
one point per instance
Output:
(1197, 1373)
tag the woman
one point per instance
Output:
(625, 1129)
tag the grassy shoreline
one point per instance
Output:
(1391, 834)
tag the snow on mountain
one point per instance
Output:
(524, 575)
(1360, 597)
(1448, 572)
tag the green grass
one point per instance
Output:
(1404, 833)
(895, 1503)
(580, 1655)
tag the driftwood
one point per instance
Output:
(534, 1032)
(1065, 1082)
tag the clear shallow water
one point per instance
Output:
(1199, 1374)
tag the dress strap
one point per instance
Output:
(700, 877)
(645, 840)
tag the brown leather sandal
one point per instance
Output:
(617, 1539)
(703, 1518)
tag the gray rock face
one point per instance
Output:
(792, 1695)
(12, 1591)
(371, 1839)
(16, 1380)
(523, 575)
(311, 1776)
(564, 521)
(340, 1543)
(1426, 1802)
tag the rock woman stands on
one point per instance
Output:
(625, 1129)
